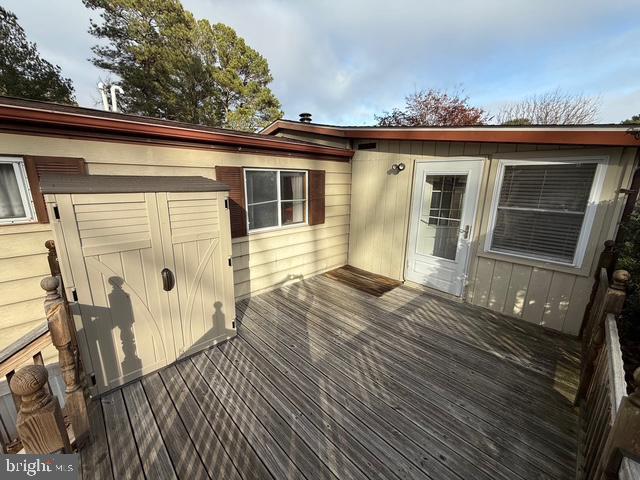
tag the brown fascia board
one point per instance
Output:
(558, 135)
(70, 119)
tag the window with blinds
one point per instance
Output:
(541, 209)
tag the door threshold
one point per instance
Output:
(433, 291)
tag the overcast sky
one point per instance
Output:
(345, 60)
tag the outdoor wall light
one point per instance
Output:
(398, 167)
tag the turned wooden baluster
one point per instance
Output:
(61, 337)
(624, 437)
(40, 423)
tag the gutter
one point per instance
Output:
(556, 135)
(72, 120)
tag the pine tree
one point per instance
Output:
(23, 73)
(172, 66)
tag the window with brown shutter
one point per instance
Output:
(234, 178)
(36, 166)
(316, 197)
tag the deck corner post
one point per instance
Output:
(62, 339)
(617, 291)
(40, 423)
(622, 441)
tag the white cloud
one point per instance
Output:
(346, 60)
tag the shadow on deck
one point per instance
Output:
(327, 382)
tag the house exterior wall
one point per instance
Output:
(261, 261)
(536, 291)
(315, 138)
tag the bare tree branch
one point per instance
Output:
(552, 108)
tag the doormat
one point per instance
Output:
(367, 282)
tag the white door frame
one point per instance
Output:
(450, 166)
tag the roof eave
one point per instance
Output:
(52, 118)
(587, 135)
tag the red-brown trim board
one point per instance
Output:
(601, 135)
(17, 113)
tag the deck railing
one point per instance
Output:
(610, 419)
(40, 423)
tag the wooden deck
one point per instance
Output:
(328, 382)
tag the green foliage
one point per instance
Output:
(635, 120)
(517, 122)
(175, 67)
(23, 73)
(629, 259)
(629, 326)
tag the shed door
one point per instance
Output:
(132, 326)
(197, 249)
(443, 208)
(115, 257)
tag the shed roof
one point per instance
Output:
(56, 183)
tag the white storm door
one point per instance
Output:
(443, 208)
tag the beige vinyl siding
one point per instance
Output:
(261, 261)
(536, 291)
(315, 138)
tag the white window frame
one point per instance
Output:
(589, 214)
(279, 226)
(25, 192)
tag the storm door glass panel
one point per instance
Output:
(293, 191)
(441, 215)
(262, 198)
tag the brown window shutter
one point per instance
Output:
(36, 166)
(234, 178)
(316, 197)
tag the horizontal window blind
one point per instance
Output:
(541, 209)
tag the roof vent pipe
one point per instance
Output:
(305, 117)
(114, 101)
(103, 93)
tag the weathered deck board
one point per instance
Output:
(207, 444)
(180, 447)
(153, 452)
(326, 381)
(432, 420)
(125, 459)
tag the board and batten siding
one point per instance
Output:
(536, 291)
(261, 261)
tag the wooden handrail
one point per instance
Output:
(609, 299)
(623, 439)
(63, 339)
(23, 350)
(40, 424)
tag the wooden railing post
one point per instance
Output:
(40, 424)
(62, 339)
(612, 302)
(624, 437)
(607, 260)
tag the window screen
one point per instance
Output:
(541, 209)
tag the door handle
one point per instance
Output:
(466, 231)
(168, 280)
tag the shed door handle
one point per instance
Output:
(168, 280)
